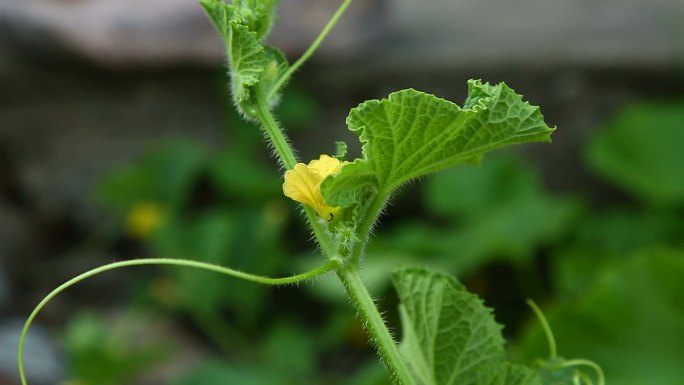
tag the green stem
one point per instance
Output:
(371, 213)
(547, 329)
(275, 134)
(310, 51)
(331, 265)
(288, 159)
(375, 325)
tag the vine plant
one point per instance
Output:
(449, 336)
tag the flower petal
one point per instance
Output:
(325, 166)
(300, 185)
(303, 184)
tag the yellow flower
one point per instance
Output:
(303, 184)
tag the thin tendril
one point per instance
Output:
(310, 51)
(545, 325)
(585, 379)
(579, 378)
(576, 380)
(583, 362)
(331, 265)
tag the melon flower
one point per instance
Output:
(303, 184)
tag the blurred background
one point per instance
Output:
(118, 141)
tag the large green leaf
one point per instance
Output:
(450, 337)
(411, 134)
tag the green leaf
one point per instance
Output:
(411, 134)
(509, 374)
(276, 66)
(450, 337)
(258, 15)
(640, 150)
(248, 60)
(221, 14)
(243, 25)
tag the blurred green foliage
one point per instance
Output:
(618, 284)
(630, 320)
(110, 352)
(640, 150)
(498, 211)
(610, 281)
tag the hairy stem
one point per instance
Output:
(288, 159)
(310, 51)
(375, 325)
(331, 265)
(370, 215)
(275, 134)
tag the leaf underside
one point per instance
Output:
(450, 337)
(247, 60)
(411, 134)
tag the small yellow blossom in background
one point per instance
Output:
(303, 184)
(143, 219)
